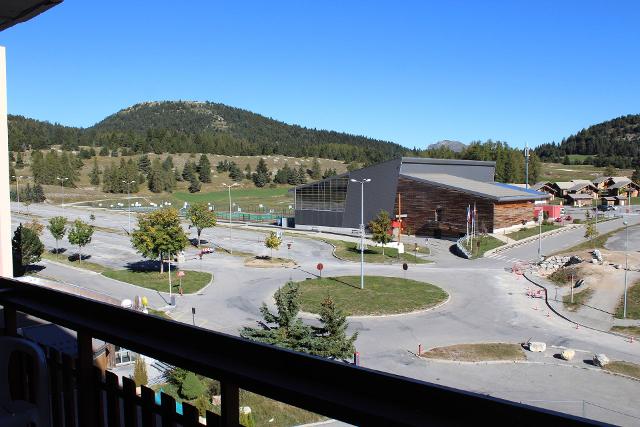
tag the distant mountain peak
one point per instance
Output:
(455, 146)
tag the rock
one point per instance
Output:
(245, 410)
(536, 346)
(600, 360)
(567, 354)
(594, 261)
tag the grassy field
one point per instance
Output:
(243, 196)
(64, 259)
(625, 368)
(349, 251)
(627, 330)
(486, 244)
(381, 295)
(597, 242)
(531, 231)
(633, 303)
(264, 410)
(579, 299)
(192, 282)
(560, 172)
(482, 352)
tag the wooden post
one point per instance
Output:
(87, 409)
(230, 405)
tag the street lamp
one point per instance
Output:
(62, 180)
(362, 183)
(626, 268)
(229, 188)
(17, 177)
(129, 200)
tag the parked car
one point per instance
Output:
(606, 208)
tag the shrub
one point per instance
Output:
(191, 387)
(140, 372)
(562, 276)
(203, 404)
(577, 221)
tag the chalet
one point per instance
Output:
(577, 192)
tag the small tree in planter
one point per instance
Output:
(380, 229)
(273, 242)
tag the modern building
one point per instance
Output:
(431, 195)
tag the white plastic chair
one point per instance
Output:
(20, 413)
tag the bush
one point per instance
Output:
(577, 221)
(562, 276)
(203, 404)
(191, 387)
(140, 372)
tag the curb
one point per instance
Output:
(530, 239)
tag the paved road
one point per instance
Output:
(487, 303)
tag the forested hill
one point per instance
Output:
(201, 127)
(615, 142)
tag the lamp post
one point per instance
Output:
(362, 183)
(129, 201)
(526, 166)
(17, 177)
(540, 218)
(626, 268)
(62, 180)
(229, 188)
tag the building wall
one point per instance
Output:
(508, 214)
(421, 200)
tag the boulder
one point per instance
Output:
(600, 360)
(567, 354)
(536, 346)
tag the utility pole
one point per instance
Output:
(362, 183)
(626, 268)
(62, 180)
(17, 188)
(540, 217)
(526, 166)
(230, 213)
(129, 201)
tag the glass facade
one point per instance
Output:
(327, 195)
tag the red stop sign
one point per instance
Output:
(320, 266)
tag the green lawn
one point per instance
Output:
(192, 282)
(381, 295)
(531, 231)
(264, 410)
(579, 299)
(64, 259)
(486, 244)
(633, 303)
(597, 242)
(248, 196)
(349, 251)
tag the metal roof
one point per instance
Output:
(13, 12)
(620, 183)
(428, 160)
(600, 179)
(491, 190)
(580, 196)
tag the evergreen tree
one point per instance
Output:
(329, 173)
(12, 173)
(104, 151)
(144, 164)
(19, 161)
(610, 171)
(636, 176)
(283, 176)
(94, 175)
(26, 249)
(189, 171)
(235, 173)
(261, 176)
(334, 343)
(315, 172)
(247, 171)
(140, 376)
(191, 387)
(204, 169)
(167, 165)
(194, 184)
(301, 176)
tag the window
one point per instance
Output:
(327, 195)
(124, 356)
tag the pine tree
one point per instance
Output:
(261, 176)
(283, 176)
(315, 172)
(26, 249)
(104, 151)
(235, 173)
(194, 184)
(247, 171)
(334, 342)
(191, 387)
(329, 173)
(636, 176)
(189, 171)
(144, 164)
(19, 161)
(94, 175)
(301, 176)
(204, 169)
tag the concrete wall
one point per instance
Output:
(6, 265)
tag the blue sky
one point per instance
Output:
(408, 72)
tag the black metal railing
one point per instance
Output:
(342, 391)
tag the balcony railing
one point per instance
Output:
(83, 395)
